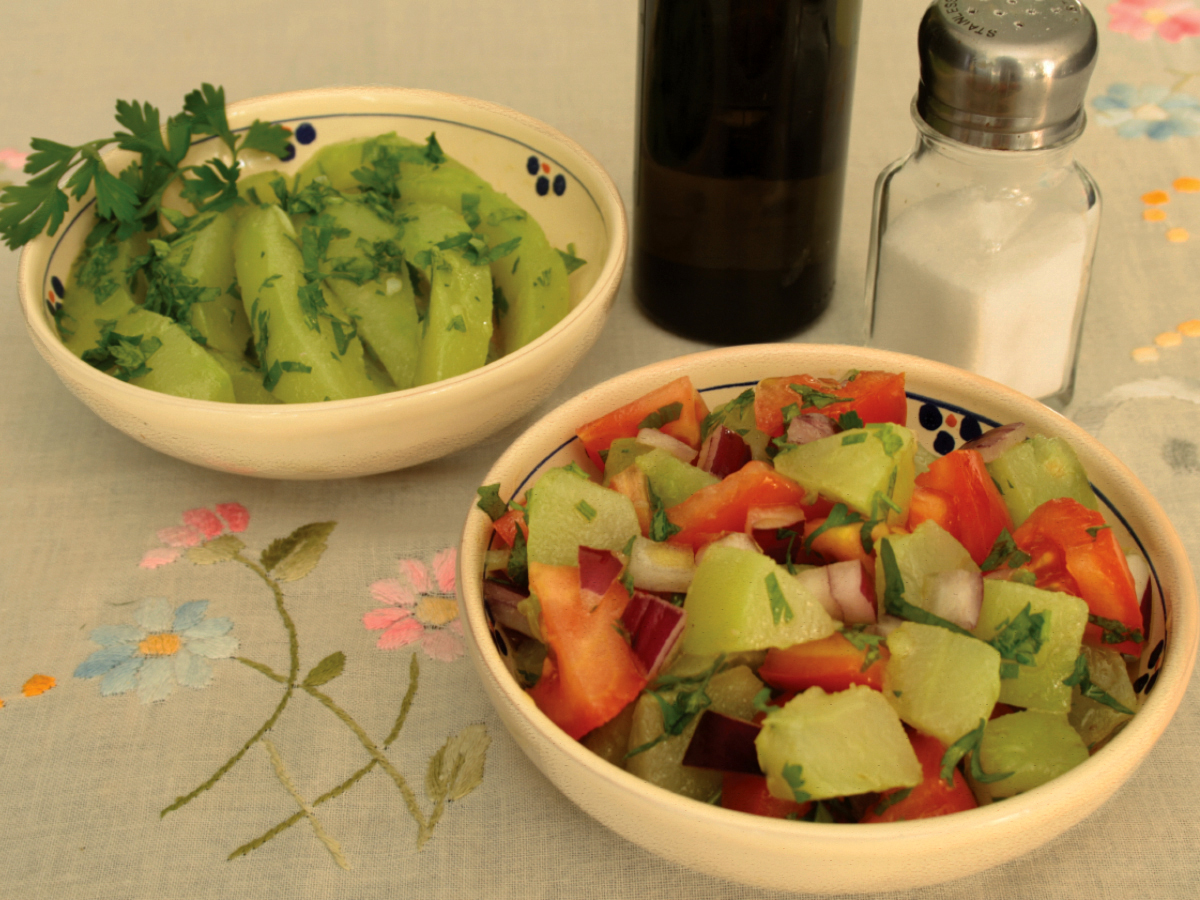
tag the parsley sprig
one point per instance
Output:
(129, 202)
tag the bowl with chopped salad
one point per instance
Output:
(319, 284)
(825, 618)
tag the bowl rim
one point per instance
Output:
(36, 256)
(1069, 795)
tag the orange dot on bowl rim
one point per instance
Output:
(1169, 339)
(1186, 185)
(1154, 214)
(1190, 328)
(1145, 354)
(1156, 197)
(1178, 235)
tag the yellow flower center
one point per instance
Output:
(436, 611)
(164, 644)
(1155, 16)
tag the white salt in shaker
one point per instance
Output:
(982, 238)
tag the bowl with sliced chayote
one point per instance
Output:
(320, 284)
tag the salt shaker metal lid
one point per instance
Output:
(1006, 74)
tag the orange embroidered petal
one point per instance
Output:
(1186, 185)
(1177, 235)
(38, 684)
(1169, 339)
(1156, 197)
(1190, 328)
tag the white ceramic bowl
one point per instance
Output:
(548, 174)
(944, 404)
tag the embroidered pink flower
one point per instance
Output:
(13, 159)
(199, 525)
(419, 607)
(1173, 20)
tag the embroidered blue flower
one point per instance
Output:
(1151, 111)
(164, 648)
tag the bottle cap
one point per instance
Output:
(1006, 74)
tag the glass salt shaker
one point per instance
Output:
(982, 238)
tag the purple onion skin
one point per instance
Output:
(724, 743)
(992, 444)
(724, 452)
(811, 427)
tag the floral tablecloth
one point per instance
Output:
(215, 687)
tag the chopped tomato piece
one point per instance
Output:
(832, 664)
(748, 793)
(676, 409)
(506, 526)
(875, 396)
(724, 506)
(590, 672)
(932, 797)
(1073, 550)
(958, 493)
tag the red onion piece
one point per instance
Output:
(677, 448)
(598, 569)
(502, 600)
(655, 627)
(992, 444)
(853, 590)
(724, 743)
(661, 567)
(810, 427)
(816, 580)
(957, 596)
(723, 452)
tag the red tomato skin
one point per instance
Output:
(590, 673)
(723, 507)
(625, 421)
(1065, 556)
(832, 664)
(875, 396)
(506, 526)
(748, 793)
(958, 494)
(932, 797)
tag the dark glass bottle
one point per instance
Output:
(744, 114)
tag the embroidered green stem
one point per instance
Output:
(294, 670)
(410, 799)
(414, 671)
(281, 772)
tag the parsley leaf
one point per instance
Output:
(968, 743)
(781, 611)
(793, 774)
(570, 260)
(490, 502)
(130, 202)
(661, 527)
(690, 700)
(893, 595)
(661, 416)
(1019, 640)
(811, 398)
(1005, 552)
(1082, 678)
(1116, 632)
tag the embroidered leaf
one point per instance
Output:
(457, 768)
(293, 557)
(326, 670)
(220, 549)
